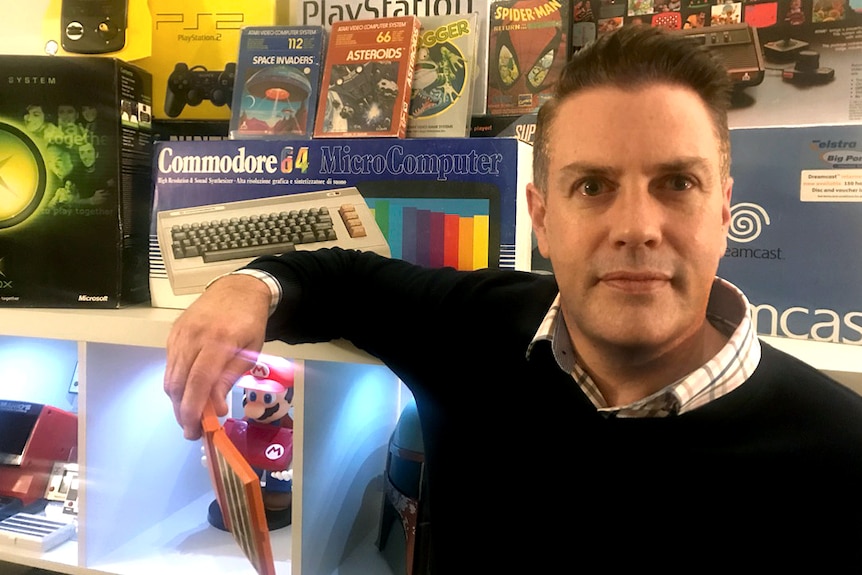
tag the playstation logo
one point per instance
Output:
(22, 176)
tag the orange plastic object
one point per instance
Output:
(238, 493)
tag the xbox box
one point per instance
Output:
(75, 183)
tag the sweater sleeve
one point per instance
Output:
(377, 303)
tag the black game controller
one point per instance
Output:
(191, 86)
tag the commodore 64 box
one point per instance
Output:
(75, 187)
(441, 202)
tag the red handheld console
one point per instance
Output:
(32, 438)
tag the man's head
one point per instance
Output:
(34, 119)
(59, 160)
(66, 115)
(631, 196)
(89, 113)
(87, 153)
(635, 56)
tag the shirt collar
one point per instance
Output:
(728, 310)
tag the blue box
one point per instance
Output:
(796, 225)
(440, 201)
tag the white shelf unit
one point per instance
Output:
(144, 492)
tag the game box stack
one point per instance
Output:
(75, 181)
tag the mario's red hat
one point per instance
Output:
(270, 373)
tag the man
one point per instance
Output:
(620, 411)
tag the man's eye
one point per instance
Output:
(679, 183)
(590, 187)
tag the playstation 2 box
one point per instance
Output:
(75, 181)
(195, 44)
(455, 202)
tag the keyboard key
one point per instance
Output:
(247, 252)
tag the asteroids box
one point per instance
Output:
(796, 224)
(75, 187)
(455, 202)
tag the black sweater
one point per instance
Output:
(524, 473)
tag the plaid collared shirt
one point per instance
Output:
(728, 310)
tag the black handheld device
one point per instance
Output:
(93, 26)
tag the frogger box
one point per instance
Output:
(75, 187)
(441, 202)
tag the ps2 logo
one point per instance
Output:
(222, 20)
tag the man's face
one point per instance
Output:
(34, 118)
(89, 113)
(59, 161)
(66, 115)
(87, 154)
(635, 215)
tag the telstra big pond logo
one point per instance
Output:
(22, 176)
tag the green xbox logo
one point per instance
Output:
(22, 176)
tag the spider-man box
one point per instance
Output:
(529, 43)
(438, 202)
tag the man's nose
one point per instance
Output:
(635, 218)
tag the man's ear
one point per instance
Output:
(537, 208)
(728, 196)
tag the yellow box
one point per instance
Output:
(195, 43)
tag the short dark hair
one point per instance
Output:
(631, 57)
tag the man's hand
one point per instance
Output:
(212, 344)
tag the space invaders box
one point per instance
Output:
(75, 187)
(455, 202)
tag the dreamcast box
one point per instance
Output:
(75, 181)
(455, 202)
(796, 224)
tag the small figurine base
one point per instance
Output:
(275, 518)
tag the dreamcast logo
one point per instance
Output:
(746, 222)
(22, 176)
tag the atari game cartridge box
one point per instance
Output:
(75, 181)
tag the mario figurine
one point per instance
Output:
(265, 436)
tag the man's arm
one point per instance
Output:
(210, 344)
